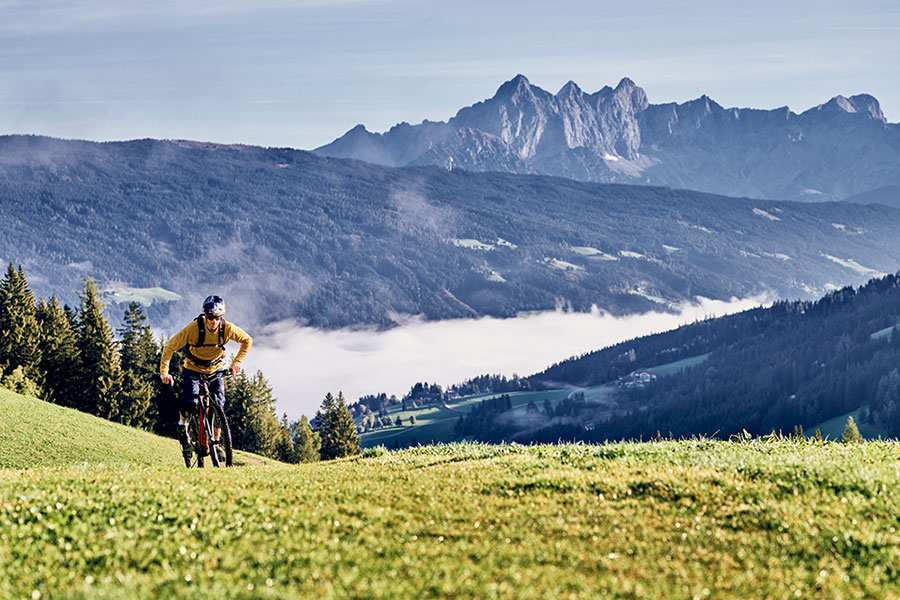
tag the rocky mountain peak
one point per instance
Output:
(626, 85)
(516, 84)
(569, 89)
(615, 134)
(862, 104)
(866, 104)
(630, 93)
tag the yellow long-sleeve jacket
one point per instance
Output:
(190, 335)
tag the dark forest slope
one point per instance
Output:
(794, 363)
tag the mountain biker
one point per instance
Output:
(203, 340)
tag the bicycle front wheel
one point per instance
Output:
(220, 436)
(198, 440)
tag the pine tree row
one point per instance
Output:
(72, 358)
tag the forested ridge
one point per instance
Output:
(338, 242)
(73, 357)
(796, 363)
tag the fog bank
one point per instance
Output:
(303, 364)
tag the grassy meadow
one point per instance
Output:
(771, 518)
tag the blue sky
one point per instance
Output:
(300, 73)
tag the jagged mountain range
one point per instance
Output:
(287, 234)
(841, 148)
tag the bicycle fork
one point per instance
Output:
(211, 442)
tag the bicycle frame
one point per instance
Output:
(208, 437)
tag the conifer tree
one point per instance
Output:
(19, 330)
(140, 362)
(851, 433)
(60, 358)
(284, 445)
(251, 414)
(306, 441)
(322, 424)
(101, 371)
(339, 436)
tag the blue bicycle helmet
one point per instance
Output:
(214, 306)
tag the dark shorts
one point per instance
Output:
(190, 390)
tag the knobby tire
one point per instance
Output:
(218, 419)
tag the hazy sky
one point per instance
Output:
(299, 73)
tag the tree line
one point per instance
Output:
(72, 357)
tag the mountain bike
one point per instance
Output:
(209, 434)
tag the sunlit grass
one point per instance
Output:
(699, 518)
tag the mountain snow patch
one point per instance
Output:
(562, 265)
(760, 212)
(852, 264)
(630, 254)
(590, 252)
(610, 157)
(471, 244)
(842, 227)
(692, 226)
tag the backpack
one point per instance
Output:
(201, 342)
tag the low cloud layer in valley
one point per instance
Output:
(303, 364)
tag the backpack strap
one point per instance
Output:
(201, 333)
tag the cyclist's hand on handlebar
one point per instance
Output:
(235, 368)
(167, 379)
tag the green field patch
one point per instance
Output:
(887, 332)
(600, 393)
(118, 293)
(673, 519)
(833, 429)
(644, 294)
(437, 423)
(678, 365)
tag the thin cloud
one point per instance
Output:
(26, 17)
(303, 364)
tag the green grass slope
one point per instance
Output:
(704, 519)
(34, 433)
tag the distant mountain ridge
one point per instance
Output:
(837, 149)
(287, 234)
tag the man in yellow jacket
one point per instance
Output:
(204, 342)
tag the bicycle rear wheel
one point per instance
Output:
(220, 436)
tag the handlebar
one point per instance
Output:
(206, 377)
